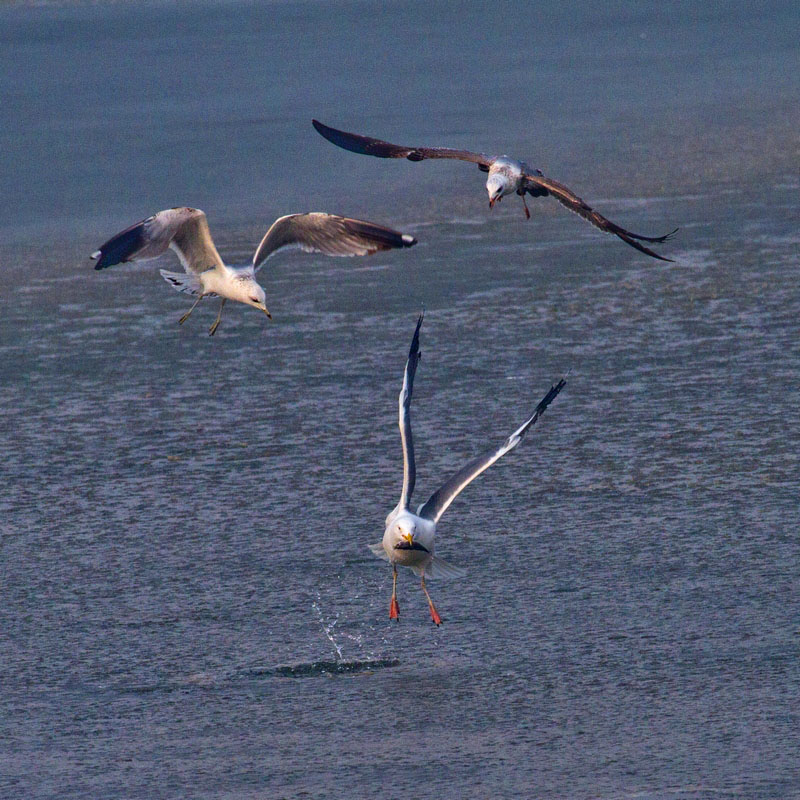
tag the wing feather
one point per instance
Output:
(443, 496)
(366, 145)
(539, 185)
(404, 419)
(329, 234)
(184, 230)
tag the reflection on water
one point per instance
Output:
(318, 668)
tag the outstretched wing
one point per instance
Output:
(329, 234)
(540, 186)
(185, 230)
(368, 146)
(442, 497)
(404, 408)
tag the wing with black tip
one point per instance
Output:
(184, 230)
(329, 234)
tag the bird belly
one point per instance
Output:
(223, 284)
(410, 558)
(212, 283)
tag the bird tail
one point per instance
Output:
(378, 550)
(183, 282)
(439, 568)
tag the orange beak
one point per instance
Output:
(492, 201)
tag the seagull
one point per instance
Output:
(185, 230)
(408, 536)
(506, 175)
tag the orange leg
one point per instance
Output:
(394, 609)
(527, 213)
(434, 613)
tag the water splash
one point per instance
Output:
(328, 628)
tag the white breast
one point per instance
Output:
(509, 170)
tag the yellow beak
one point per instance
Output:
(409, 538)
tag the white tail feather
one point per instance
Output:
(379, 551)
(189, 284)
(439, 568)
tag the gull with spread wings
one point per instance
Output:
(506, 176)
(185, 230)
(408, 538)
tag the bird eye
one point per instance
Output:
(254, 299)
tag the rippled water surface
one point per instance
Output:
(189, 607)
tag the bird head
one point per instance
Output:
(404, 531)
(496, 188)
(253, 295)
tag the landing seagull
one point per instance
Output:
(408, 537)
(506, 175)
(185, 230)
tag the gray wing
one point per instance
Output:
(540, 186)
(442, 497)
(404, 407)
(366, 145)
(184, 230)
(329, 234)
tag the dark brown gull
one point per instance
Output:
(506, 176)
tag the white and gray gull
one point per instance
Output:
(408, 538)
(506, 176)
(185, 230)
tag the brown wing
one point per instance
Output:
(329, 234)
(540, 186)
(368, 146)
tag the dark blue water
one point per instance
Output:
(189, 607)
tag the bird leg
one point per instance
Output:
(394, 609)
(434, 613)
(217, 320)
(186, 315)
(527, 213)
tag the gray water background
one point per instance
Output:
(188, 608)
